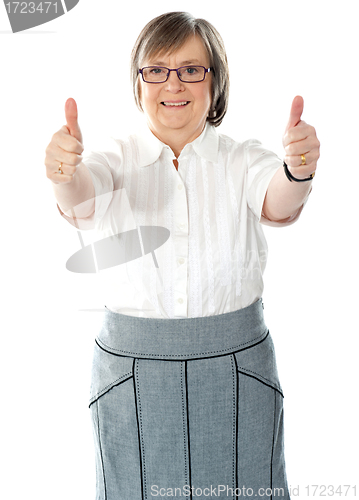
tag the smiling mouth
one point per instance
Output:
(175, 104)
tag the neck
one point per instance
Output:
(176, 139)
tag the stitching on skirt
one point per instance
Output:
(225, 351)
(270, 384)
(105, 390)
(237, 414)
(140, 430)
(188, 431)
(234, 428)
(184, 418)
(274, 426)
(99, 442)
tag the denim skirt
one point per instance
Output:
(188, 408)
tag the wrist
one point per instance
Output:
(291, 177)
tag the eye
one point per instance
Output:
(191, 70)
(157, 71)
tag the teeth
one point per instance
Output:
(175, 103)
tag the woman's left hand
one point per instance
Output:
(300, 139)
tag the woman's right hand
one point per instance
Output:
(65, 148)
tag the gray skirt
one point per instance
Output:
(188, 408)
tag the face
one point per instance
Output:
(187, 120)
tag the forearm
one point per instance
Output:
(284, 198)
(78, 191)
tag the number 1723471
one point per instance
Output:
(321, 490)
(31, 7)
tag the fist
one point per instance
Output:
(300, 139)
(65, 148)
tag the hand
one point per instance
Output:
(65, 147)
(300, 139)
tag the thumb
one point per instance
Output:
(71, 119)
(295, 112)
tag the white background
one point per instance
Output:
(276, 50)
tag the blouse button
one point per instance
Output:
(180, 301)
(181, 260)
(180, 186)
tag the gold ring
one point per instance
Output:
(59, 170)
(303, 159)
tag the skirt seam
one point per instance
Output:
(108, 388)
(236, 420)
(188, 432)
(222, 352)
(271, 385)
(234, 425)
(260, 378)
(99, 442)
(184, 419)
(139, 425)
(271, 463)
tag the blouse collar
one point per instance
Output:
(150, 148)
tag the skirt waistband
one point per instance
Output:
(183, 338)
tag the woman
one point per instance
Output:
(185, 395)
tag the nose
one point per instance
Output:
(173, 83)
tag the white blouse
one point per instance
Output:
(214, 258)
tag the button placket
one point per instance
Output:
(180, 243)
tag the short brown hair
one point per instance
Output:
(167, 33)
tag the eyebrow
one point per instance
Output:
(183, 63)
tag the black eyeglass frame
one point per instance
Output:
(206, 70)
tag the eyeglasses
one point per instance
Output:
(187, 74)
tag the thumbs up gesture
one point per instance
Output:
(300, 143)
(63, 154)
